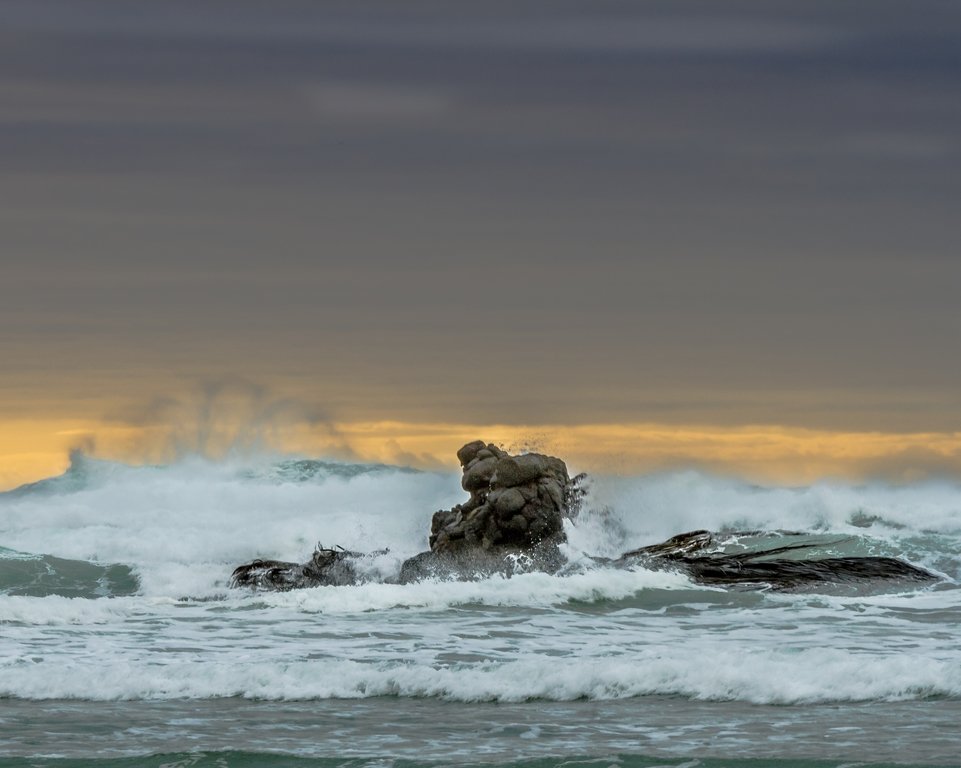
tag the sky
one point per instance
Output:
(649, 234)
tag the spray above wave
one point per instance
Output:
(177, 526)
(86, 473)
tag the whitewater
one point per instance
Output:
(120, 640)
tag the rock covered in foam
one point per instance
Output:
(326, 567)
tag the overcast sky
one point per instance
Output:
(727, 213)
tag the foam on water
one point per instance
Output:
(657, 506)
(526, 590)
(589, 632)
(183, 527)
(919, 522)
(760, 677)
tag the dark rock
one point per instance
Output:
(512, 471)
(326, 567)
(786, 574)
(477, 563)
(518, 523)
(268, 574)
(469, 451)
(477, 476)
(517, 502)
(510, 501)
(692, 554)
(513, 521)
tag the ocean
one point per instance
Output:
(122, 645)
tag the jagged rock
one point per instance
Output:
(673, 548)
(691, 553)
(326, 567)
(783, 574)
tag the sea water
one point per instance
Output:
(121, 643)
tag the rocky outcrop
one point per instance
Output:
(326, 567)
(513, 522)
(515, 502)
(698, 554)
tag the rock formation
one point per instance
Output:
(514, 522)
(326, 567)
(697, 554)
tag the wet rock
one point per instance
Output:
(477, 477)
(517, 502)
(469, 452)
(696, 554)
(510, 501)
(513, 523)
(471, 563)
(326, 567)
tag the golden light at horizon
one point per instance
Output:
(33, 449)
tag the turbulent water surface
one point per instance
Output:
(120, 642)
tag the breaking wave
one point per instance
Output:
(181, 528)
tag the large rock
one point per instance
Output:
(517, 503)
(513, 521)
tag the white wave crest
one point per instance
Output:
(769, 677)
(525, 590)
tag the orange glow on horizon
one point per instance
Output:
(33, 449)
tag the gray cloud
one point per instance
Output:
(363, 103)
(521, 211)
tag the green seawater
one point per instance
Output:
(387, 732)
(27, 575)
(267, 760)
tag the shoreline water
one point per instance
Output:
(436, 732)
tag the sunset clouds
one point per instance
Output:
(644, 226)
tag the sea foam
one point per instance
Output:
(183, 527)
(766, 677)
(591, 632)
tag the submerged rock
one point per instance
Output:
(471, 564)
